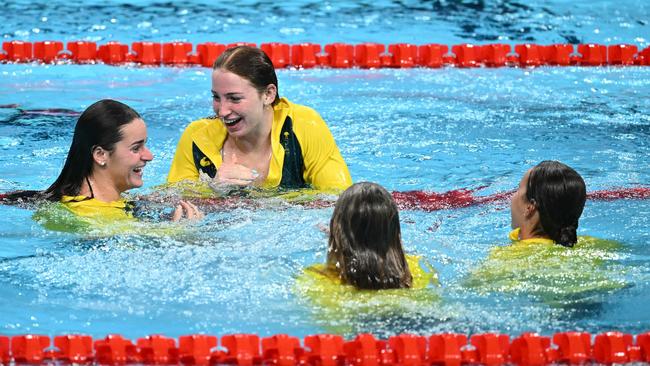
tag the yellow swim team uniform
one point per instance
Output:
(93, 208)
(304, 153)
(548, 270)
(341, 308)
(90, 216)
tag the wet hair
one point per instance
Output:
(252, 64)
(98, 126)
(365, 244)
(559, 194)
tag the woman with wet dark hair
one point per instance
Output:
(106, 158)
(99, 128)
(365, 242)
(367, 275)
(546, 257)
(256, 137)
(549, 203)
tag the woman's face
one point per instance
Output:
(519, 202)
(129, 156)
(236, 101)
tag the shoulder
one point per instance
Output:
(318, 276)
(58, 216)
(586, 242)
(422, 272)
(204, 133)
(91, 207)
(87, 201)
(203, 123)
(302, 115)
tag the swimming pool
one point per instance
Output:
(416, 129)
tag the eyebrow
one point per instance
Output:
(139, 142)
(228, 94)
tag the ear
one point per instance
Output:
(100, 156)
(530, 209)
(269, 94)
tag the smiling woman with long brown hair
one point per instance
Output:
(256, 137)
(107, 157)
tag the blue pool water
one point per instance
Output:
(419, 129)
(383, 21)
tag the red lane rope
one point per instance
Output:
(458, 198)
(431, 201)
(620, 193)
(448, 349)
(335, 55)
(406, 200)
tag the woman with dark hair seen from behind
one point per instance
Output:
(367, 275)
(106, 158)
(365, 242)
(546, 257)
(548, 204)
(256, 137)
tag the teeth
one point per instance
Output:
(231, 121)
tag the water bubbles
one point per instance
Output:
(292, 30)
(240, 20)
(7, 142)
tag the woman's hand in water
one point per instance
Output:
(233, 173)
(186, 210)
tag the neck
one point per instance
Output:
(100, 188)
(527, 231)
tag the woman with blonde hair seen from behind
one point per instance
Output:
(256, 137)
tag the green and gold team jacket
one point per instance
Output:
(95, 218)
(343, 309)
(304, 153)
(550, 271)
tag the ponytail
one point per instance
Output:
(567, 236)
